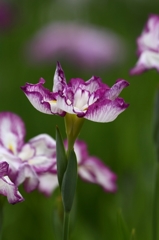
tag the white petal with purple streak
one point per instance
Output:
(12, 131)
(47, 183)
(93, 170)
(8, 189)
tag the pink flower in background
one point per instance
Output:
(85, 46)
(92, 99)
(148, 46)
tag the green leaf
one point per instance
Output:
(60, 156)
(122, 227)
(155, 220)
(68, 188)
(156, 122)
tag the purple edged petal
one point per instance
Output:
(94, 171)
(81, 151)
(4, 166)
(27, 175)
(47, 183)
(8, 189)
(59, 79)
(12, 131)
(13, 161)
(43, 145)
(116, 89)
(41, 98)
(147, 60)
(95, 83)
(106, 110)
(44, 153)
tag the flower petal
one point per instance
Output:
(27, 175)
(148, 46)
(41, 98)
(43, 145)
(4, 166)
(106, 110)
(47, 183)
(147, 60)
(116, 89)
(94, 171)
(8, 189)
(59, 79)
(13, 161)
(12, 131)
(80, 148)
(44, 153)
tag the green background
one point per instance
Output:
(126, 145)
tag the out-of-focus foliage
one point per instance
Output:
(125, 145)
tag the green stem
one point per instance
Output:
(155, 220)
(66, 226)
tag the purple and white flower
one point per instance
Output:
(90, 169)
(27, 161)
(90, 99)
(7, 187)
(85, 46)
(148, 47)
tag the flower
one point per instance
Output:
(27, 161)
(90, 169)
(92, 99)
(7, 187)
(148, 46)
(84, 46)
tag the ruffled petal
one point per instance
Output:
(41, 98)
(116, 89)
(106, 110)
(4, 167)
(94, 171)
(12, 131)
(64, 104)
(43, 145)
(8, 189)
(59, 79)
(44, 153)
(95, 83)
(27, 175)
(13, 161)
(47, 183)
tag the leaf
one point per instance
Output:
(60, 156)
(69, 182)
(122, 227)
(155, 219)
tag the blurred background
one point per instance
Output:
(88, 38)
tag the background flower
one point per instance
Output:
(83, 45)
(26, 160)
(148, 46)
(7, 187)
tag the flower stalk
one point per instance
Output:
(73, 125)
(66, 226)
